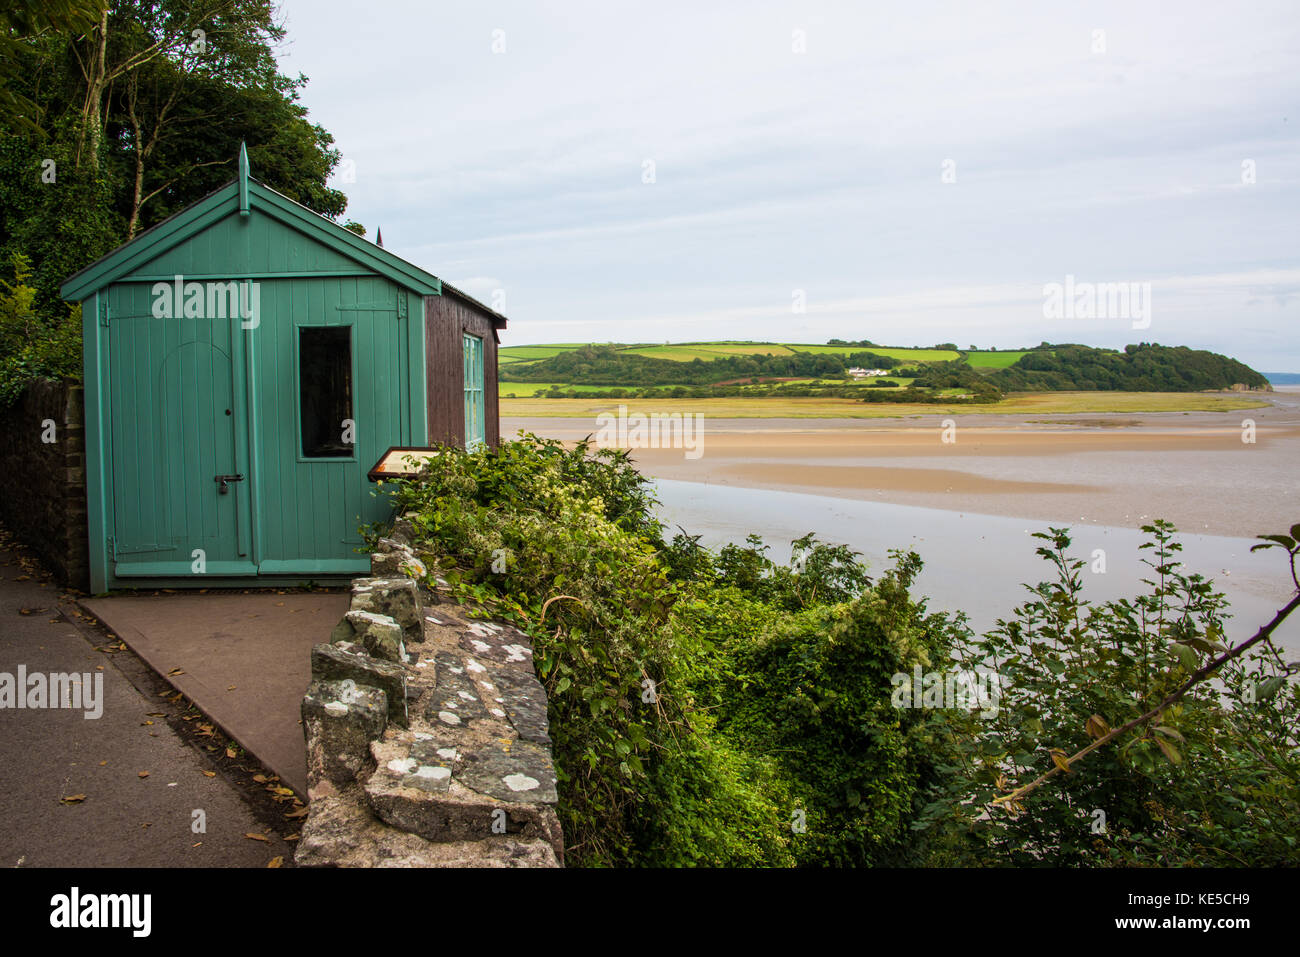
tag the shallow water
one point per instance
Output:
(976, 563)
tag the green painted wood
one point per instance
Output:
(232, 245)
(310, 509)
(222, 204)
(172, 429)
(416, 395)
(475, 406)
(159, 387)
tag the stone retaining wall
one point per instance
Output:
(426, 732)
(43, 477)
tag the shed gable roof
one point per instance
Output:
(224, 203)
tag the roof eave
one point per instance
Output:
(224, 202)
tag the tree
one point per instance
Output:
(21, 24)
(114, 117)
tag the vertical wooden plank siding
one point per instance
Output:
(447, 321)
(171, 402)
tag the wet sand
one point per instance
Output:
(1123, 470)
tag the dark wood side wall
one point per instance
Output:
(446, 320)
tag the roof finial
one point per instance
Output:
(379, 237)
(243, 179)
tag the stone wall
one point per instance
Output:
(426, 733)
(43, 477)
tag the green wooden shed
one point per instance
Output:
(246, 362)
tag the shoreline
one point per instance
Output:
(1191, 468)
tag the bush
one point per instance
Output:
(679, 679)
(31, 347)
(722, 709)
(1213, 781)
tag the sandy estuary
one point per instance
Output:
(966, 490)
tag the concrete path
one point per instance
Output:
(49, 755)
(244, 660)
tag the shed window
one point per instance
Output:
(475, 411)
(325, 391)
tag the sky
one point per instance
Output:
(906, 172)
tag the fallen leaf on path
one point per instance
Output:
(256, 837)
(275, 862)
(297, 812)
(74, 799)
(144, 774)
(209, 774)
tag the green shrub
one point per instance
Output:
(31, 347)
(673, 673)
(1213, 781)
(723, 709)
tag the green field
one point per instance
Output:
(1038, 403)
(508, 354)
(525, 390)
(915, 355)
(687, 351)
(992, 360)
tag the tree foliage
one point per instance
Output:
(115, 117)
(1145, 367)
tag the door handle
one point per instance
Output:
(224, 480)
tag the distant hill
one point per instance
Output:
(862, 370)
(1146, 367)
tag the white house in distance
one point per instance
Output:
(866, 373)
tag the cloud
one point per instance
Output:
(822, 170)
